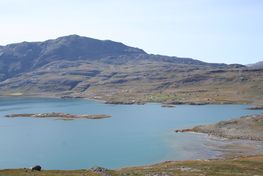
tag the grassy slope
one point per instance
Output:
(247, 166)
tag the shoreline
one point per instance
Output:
(165, 104)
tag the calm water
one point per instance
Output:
(135, 135)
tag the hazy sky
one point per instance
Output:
(229, 31)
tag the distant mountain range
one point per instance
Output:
(258, 65)
(75, 66)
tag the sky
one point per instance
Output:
(221, 31)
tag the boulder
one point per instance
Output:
(36, 168)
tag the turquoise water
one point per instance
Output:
(135, 135)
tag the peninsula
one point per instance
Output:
(246, 127)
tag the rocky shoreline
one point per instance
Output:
(60, 115)
(246, 127)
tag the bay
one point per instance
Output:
(134, 135)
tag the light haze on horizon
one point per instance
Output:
(221, 31)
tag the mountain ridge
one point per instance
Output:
(27, 56)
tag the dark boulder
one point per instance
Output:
(36, 168)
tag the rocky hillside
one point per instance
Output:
(75, 66)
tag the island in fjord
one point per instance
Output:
(60, 116)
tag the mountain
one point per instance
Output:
(27, 56)
(258, 65)
(75, 66)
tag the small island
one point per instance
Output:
(168, 105)
(60, 115)
(255, 108)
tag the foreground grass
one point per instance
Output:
(246, 166)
